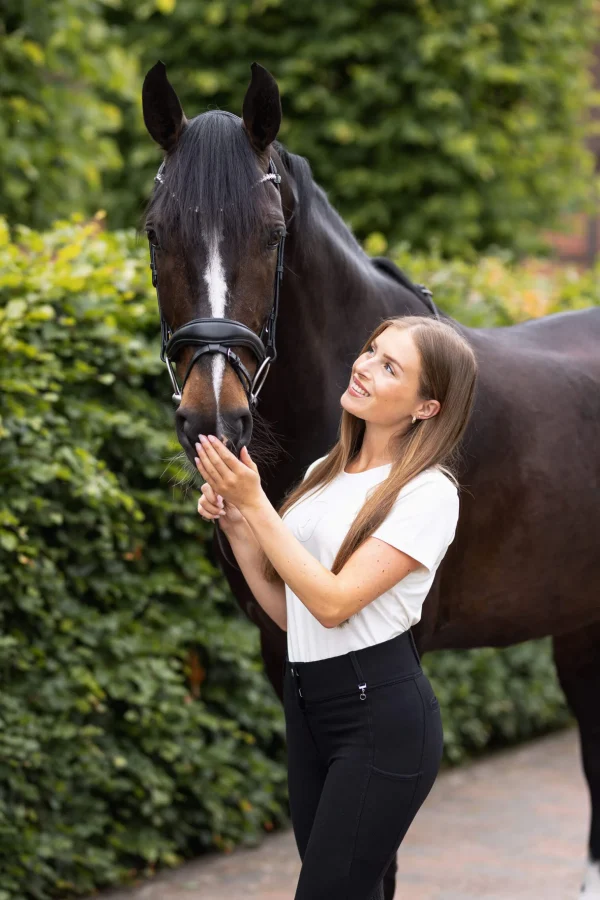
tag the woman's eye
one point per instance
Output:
(387, 364)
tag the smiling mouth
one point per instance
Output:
(356, 389)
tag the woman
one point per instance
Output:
(344, 567)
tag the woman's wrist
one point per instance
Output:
(238, 531)
(255, 506)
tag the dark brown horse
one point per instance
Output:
(525, 561)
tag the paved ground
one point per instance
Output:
(511, 827)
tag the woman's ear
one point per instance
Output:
(163, 115)
(428, 409)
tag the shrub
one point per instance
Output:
(495, 291)
(490, 698)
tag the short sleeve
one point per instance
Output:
(422, 521)
(312, 466)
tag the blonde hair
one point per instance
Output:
(448, 375)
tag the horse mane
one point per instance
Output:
(306, 188)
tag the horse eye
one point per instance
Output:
(152, 236)
(275, 236)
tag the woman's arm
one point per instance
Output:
(373, 568)
(249, 556)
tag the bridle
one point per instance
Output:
(218, 335)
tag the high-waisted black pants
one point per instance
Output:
(364, 742)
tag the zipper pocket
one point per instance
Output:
(363, 688)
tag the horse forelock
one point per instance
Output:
(210, 184)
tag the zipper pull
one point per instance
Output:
(363, 688)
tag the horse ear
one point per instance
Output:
(163, 115)
(262, 108)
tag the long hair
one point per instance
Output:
(448, 375)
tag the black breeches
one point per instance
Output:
(364, 740)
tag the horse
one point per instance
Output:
(524, 561)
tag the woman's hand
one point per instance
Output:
(211, 506)
(236, 480)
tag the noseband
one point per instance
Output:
(213, 335)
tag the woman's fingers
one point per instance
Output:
(211, 506)
(212, 497)
(210, 494)
(210, 510)
(210, 516)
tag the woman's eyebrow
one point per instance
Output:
(391, 358)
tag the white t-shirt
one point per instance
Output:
(421, 523)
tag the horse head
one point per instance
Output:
(216, 226)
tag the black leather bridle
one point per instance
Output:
(214, 335)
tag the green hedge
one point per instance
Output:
(462, 122)
(490, 698)
(136, 724)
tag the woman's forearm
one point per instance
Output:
(249, 556)
(315, 586)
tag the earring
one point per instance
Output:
(414, 419)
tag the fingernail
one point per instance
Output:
(198, 448)
(196, 460)
(211, 437)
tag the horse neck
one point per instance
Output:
(332, 294)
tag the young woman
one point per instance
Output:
(345, 566)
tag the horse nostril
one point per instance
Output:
(235, 426)
(189, 425)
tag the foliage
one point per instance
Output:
(459, 123)
(495, 291)
(137, 727)
(63, 82)
(491, 698)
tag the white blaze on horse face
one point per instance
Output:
(214, 276)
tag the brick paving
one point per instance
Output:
(511, 826)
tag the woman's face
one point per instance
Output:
(389, 372)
